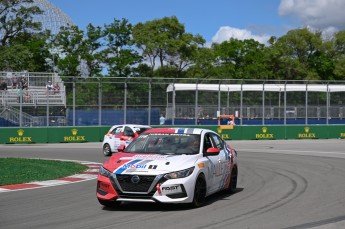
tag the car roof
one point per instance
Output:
(133, 126)
(177, 130)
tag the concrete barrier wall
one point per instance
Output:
(95, 134)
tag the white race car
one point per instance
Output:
(168, 165)
(121, 135)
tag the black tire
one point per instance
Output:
(107, 150)
(233, 181)
(199, 192)
(109, 204)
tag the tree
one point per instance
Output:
(16, 18)
(339, 45)
(203, 67)
(119, 54)
(166, 42)
(27, 52)
(297, 52)
(69, 45)
(240, 59)
(92, 50)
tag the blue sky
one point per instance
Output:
(215, 20)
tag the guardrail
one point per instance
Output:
(95, 134)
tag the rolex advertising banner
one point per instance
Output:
(28, 135)
(307, 132)
(263, 132)
(76, 134)
(25, 135)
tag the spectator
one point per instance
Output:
(56, 89)
(50, 87)
(230, 122)
(24, 82)
(14, 82)
(3, 85)
(20, 83)
(26, 95)
(162, 120)
(19, 94)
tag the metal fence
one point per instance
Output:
(110, 101)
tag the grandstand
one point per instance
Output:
(17, 110)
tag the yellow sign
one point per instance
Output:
(264, 134)
(20, 138)
(225, 136)
(342, 135)
(74, 137)
(306, 133)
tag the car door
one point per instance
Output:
(212, 164)
(222, 164)
(116, 135)
(127, 135)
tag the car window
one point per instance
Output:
(128, 131)
(217, 141)
(207, 142)
(117, 130)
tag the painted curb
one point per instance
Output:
(90, 174)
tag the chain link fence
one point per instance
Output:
(110, 101)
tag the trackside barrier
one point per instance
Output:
(95, 134)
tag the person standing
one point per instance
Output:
(3, 85)
(162, 120)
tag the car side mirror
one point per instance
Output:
(212, 151)
(121, 148)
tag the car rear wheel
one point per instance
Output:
(106, 150)
(199, 192)
(233, 181)
(109, 204)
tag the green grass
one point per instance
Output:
(22, 170)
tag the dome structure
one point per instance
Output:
(53, 17)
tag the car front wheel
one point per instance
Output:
(199, 192)
(106, 150)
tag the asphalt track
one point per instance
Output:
(282, 184)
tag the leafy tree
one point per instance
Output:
(339, 45)
(240, 59)
(69, 44)
(119, 54)
(298, 52)
(16, 18)
(203, 59)
(27, 52)
(166, 42)
(92, 50)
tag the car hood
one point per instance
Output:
(148, 164)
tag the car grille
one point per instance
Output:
(127, 185)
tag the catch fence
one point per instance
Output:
(109, 101)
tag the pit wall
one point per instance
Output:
(27, 135)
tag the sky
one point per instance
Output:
(216, 20)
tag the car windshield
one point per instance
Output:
(165, 144)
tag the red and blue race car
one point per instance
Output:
(169, 165)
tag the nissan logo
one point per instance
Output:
(135, 179)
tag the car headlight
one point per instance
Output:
(104, 172)
(179, 174)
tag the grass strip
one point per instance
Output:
(23, 170)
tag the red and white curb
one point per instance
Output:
(90, 174)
